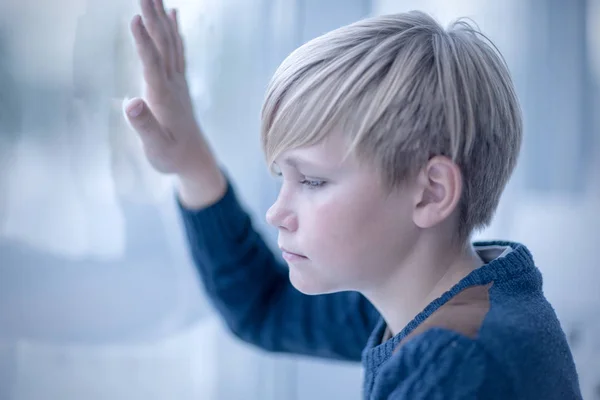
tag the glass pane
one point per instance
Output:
(97, 294)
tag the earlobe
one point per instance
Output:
(439, 188)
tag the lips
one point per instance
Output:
(291, 256)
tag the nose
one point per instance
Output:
(281, 216)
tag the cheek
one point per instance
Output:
(334, 224)
(340, 229)
(350, 232)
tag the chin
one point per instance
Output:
(309, 285)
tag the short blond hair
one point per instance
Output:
(403, 89)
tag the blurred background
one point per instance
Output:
(98, 295)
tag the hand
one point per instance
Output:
(165, 121)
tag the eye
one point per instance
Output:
(277, 175)
(312, 184)
(275, 170)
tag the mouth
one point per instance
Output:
(291, 256)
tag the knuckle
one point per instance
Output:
(157, 60)
(152, 24)
(164, 42)
(155, 65)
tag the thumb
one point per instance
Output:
(143, 121)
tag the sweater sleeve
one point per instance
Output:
(441, 364)
(251, 290)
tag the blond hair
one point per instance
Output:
(403, 89)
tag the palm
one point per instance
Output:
(171, 104)
(175, 132)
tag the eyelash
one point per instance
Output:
(312, 184)
(309, 183)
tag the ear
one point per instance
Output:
(439, 189)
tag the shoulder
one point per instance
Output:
(440, 363)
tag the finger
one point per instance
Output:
(157, 32)
(152, 63)
(142, 120)
(159, 6)
(179, 50)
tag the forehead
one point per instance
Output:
(331, 151)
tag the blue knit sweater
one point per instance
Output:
(492, 336)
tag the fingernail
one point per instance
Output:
(135, 111)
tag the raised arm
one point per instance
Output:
(244, 280)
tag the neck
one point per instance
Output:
(427, 273)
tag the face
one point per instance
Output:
(339, 227)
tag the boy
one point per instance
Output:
(394, 139)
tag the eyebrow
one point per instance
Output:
(294, 161)
(298, 163)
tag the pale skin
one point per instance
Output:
(164, 120)
(340, 228)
